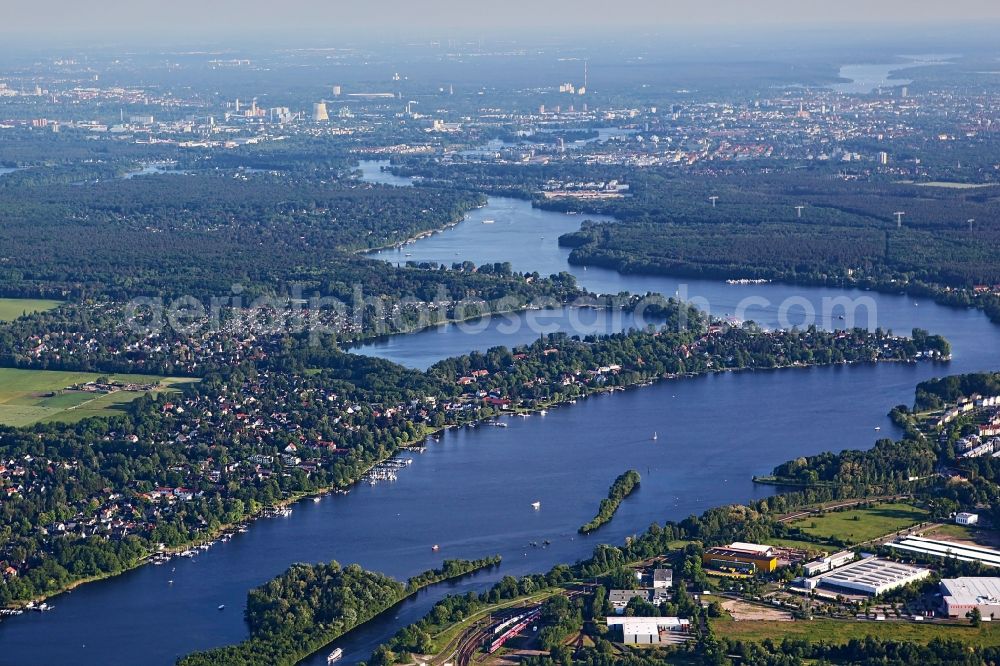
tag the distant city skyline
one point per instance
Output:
(187, 19)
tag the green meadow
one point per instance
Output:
(859, 525)
(12, 308)
(33, 396)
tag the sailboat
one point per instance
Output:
(536, 505)
(655, 436)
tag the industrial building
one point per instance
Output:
(319, 112)
(744, 558)
(871, 576)
(651, 630)
(828, 563)
(962, 552)
(962, 595)
(619, 598)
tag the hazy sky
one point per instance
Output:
(169, 19)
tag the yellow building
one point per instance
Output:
(743, 558)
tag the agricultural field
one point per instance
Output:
(34, 396)
(12, 308)
(859, 525)
(842, 631)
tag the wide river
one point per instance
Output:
(471, 493)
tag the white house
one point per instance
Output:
(964, 518)
(663, 578)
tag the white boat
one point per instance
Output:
(317, 500)
(435, 547)
(222, 606)
(536, 505)
(655, 436)
(334, 656)
(488, 221)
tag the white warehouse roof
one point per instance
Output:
(873, 575)
(972, 590)
(958, 551)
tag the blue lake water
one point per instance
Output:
(471, 492)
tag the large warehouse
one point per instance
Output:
(947, 549)
(651, 630)
(961, 595)
(872, 576)
(745, 558)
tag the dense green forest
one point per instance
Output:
(307, 607)
(201, 234)
(847, 229)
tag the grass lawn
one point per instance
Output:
(841, 631)
(857, 525)
(954, 531)
(803, 545)
(12, 308)
(32, 396)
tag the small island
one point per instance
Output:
(623, 486)
(310, 606)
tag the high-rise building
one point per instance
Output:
(336, 91)
(319, 112)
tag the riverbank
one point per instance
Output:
(409, 240)
(212, 536)
(345, 597)
(987, 302)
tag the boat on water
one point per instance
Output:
(488, 221)
(317, 500)
(222, 606)
(334, 656)
(655, 436)
(536, 505)
(435, 547)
